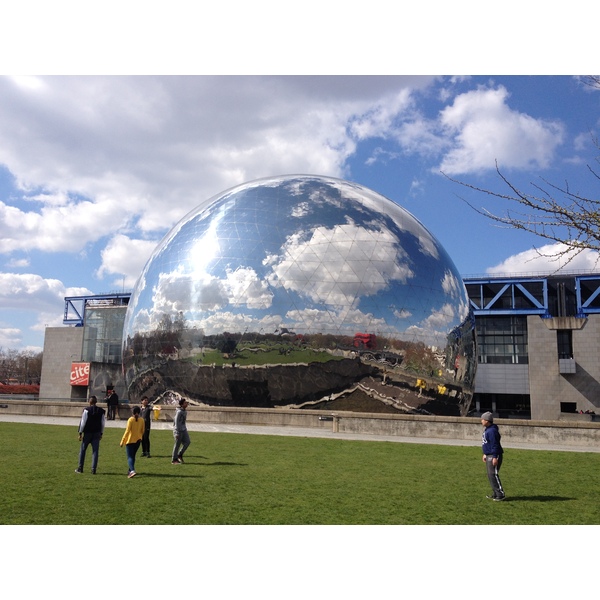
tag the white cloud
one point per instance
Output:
(546, 260)
(153, 148)
(30, 230)
(18, 263)
(484, 129)
(30, 291)
(378, 119)
(419, 135)
(42, 298)
(10, 337)
(125, 257)
(451, 285)
(337, 266)
(310, 320)
(237, 323)
(246, 288)
(440, 319)
(183, 292)
(178, 291)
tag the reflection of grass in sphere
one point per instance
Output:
(246, 356)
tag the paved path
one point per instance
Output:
(299, 432)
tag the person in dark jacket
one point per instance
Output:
(492, 455)
(146, 414)
(112, 402)
(91, 428)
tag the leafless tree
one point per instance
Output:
(20, 366)
(552, 212)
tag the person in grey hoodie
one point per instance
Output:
(180, 433)
(492, 455)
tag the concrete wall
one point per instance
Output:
(548, 387)
(578, 432)
(502, 379)
(62, 346)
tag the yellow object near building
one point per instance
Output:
(156, 411)
(421, 383)
(442, 389)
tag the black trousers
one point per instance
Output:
(146, 442)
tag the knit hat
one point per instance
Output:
(488, 416)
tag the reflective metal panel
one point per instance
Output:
(301, 291)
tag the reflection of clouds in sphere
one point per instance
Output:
(323, 254)
(329, 322)
(283, 260)
(451, 285)
(180, 292)
(245, 287)
(337, 266)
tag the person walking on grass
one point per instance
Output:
(180, 433)
(492, 455)
(132, 439)
(146, 414)
(91, 428)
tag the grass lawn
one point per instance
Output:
(261, 480)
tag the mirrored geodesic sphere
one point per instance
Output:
(305, 292)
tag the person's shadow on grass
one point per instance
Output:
(204, 464)
(180, 469)
(538, 499)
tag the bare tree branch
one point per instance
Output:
(555, 213)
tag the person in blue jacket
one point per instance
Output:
(492, 455)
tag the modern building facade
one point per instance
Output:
(538, 345)
(84, 359)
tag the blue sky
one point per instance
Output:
(96, 165)
(94, 170)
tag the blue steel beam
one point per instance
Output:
(77, 305)
(584, 307)
(508, 285)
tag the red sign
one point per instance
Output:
(80, 373)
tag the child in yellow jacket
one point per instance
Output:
(132, 438)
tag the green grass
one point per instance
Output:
(265, 356)
(256, 479)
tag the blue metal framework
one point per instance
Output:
(75, 305)
(512, 296)
(531, 296)
(587, 290)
